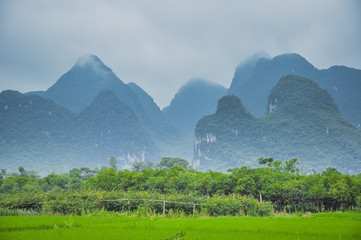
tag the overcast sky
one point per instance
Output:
(162, 44)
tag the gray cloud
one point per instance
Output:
(161, 44)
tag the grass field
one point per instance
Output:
(317, 226)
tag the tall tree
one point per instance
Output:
(169, 162)
(113, 162)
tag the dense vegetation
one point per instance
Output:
(38, 133)
(77, 89)
(302, 122)
(254, 79)
(278, 186)
(75, 124)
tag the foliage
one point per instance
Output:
(278, 189)
(113, 163)
(169, 162)
(140, 166)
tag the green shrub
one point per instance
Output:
(18, 212)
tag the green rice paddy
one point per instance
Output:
(316, 226)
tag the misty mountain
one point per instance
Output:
(40, 134)
(245, 69)
(302, 122)
(255, 77)
(168, 139)
(196, 98)
(77, 88)
(158, 124)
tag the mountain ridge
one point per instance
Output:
(304, 123)
(37, 132)
(343, 83)
(195, 98)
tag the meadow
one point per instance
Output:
(336, 225)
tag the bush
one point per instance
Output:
(18, 212)
(28, 201)
(237, 205)
(69, 203)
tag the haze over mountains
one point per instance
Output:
(254, 79)
(196, 98)
(302, 122)
(40, 134)
(89, 114)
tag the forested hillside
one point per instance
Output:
(38, 133)
(255, 78)
(302, 122)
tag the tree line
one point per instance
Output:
(276, 182)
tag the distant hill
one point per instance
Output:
(158, 124)
(78, 88)
(255, 77)
(40, 134)
(302, 122)
(167, 137)
(196, 98)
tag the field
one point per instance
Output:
(316, 226)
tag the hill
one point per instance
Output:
(254, 79)
(40, 134)
(302, 122)
(196, 98)
(158, 124)
(78, 87)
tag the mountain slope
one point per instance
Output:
(157, 121)
(78, 87)
(302, 122)
(114, 128)
(40, 134)
(34, 132)
(244, 71)
(196, 98)
(343, 83)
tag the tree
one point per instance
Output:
(140, 166)
(87, 172)
(113, 163)
(75, 173)
(265, 160)
(168, 163)
(332, 169)
(22, 171)
(28, 173)
(3, 173)
(290, 165)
